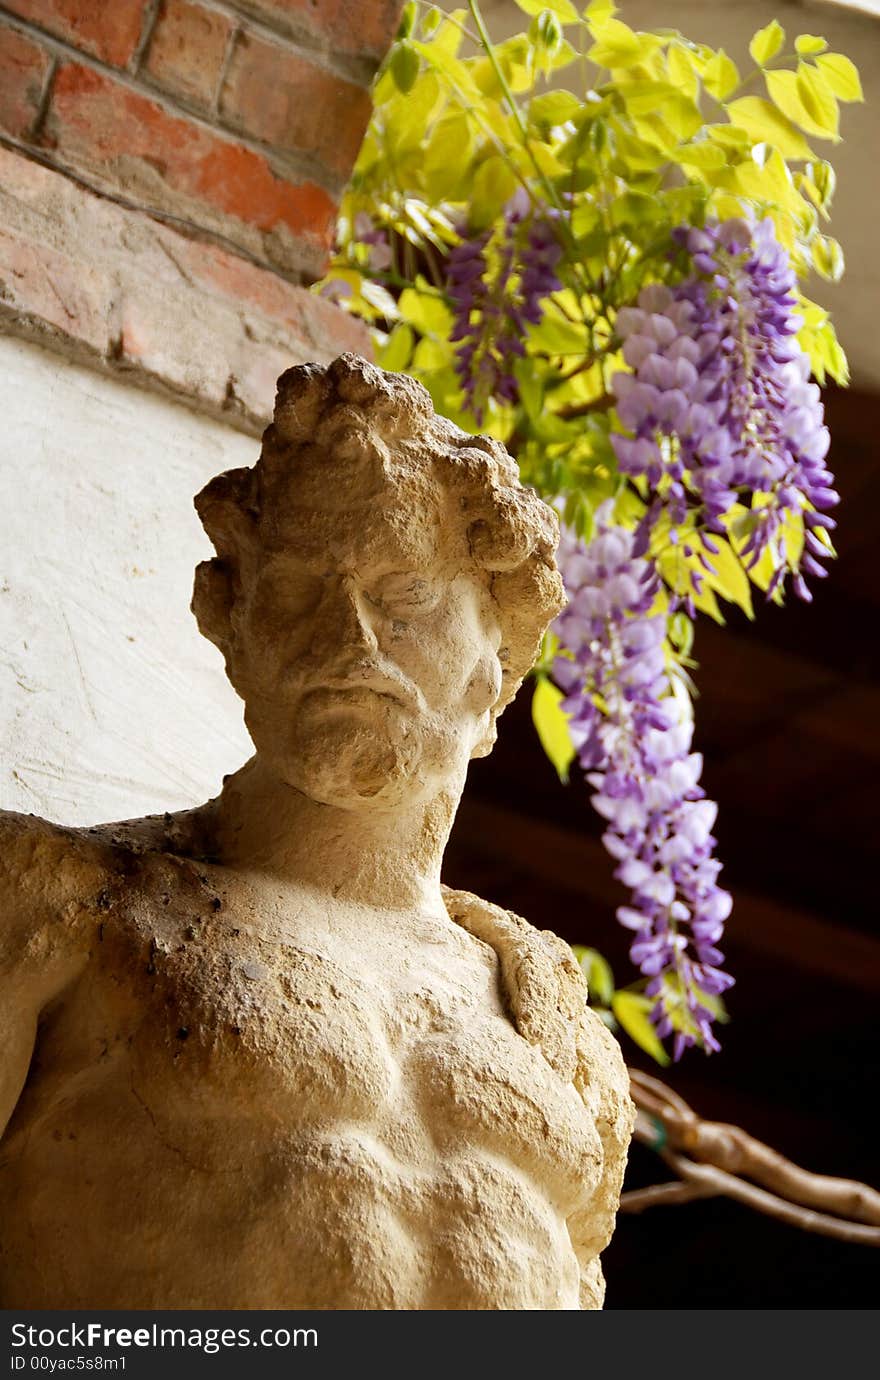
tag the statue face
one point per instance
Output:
(367, 657)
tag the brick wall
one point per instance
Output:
(239, 121)
(170, 174)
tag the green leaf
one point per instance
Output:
(818, 339)
(397, 351)
(683, 70)
(767, 125)
(597, 971)
(706, 602)
(702, 155)
(407, 19)
(531, 388)
(493, 186)
(584, 218)
(553, 108)
(545, 35)
(720, 76)
(429, 356)
(677, 111)
(631, 1010)
(563, 9)
(808, 44)
(841, 75)
(730, 579)
(729, 136)
(445, 159)
(449, 67)
(632, 209)
(405, 67)
(552, 725)
(827, 258)
(405, 119)
(766, 43)
(599, 10)
(824, 179)
(618, 45)
(427, 312)
(681, 633)
(449, 32)
(556, 335)
(838, 364)
(514, 58)
(677, 570)
(788, 91)
(819, 100)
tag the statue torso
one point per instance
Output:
(252, 1097)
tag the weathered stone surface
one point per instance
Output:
(277, 1064)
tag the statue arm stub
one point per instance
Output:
(48, 877)
(546, 996)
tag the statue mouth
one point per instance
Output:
(364, 692)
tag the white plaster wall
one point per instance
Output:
(111, 703)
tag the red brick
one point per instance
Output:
(82, 273)
(187, 50)
(353, 28)
(131, 143)
(275, 95)
(23, 68)
(107, 29)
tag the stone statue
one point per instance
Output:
(255, 1055)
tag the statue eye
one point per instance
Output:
(401, 593)
(290, 593)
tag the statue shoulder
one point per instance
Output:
(546, 995)
(50, 877)
(545, 990)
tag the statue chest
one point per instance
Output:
(289, 1027)
(363, 1117)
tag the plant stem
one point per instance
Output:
(512, 105)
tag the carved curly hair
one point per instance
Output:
(352, 429)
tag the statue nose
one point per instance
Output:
(343, 617)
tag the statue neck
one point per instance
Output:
(383, 856)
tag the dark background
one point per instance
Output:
(788, 721)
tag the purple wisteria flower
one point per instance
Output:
(379, 251)
(496, 285)
(633, 744)
(719, 401)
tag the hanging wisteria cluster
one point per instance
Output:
(495, 297)
(718, 406)
(719, 401)
(588, 240)
(634, 746)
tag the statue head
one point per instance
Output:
(381, 585)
